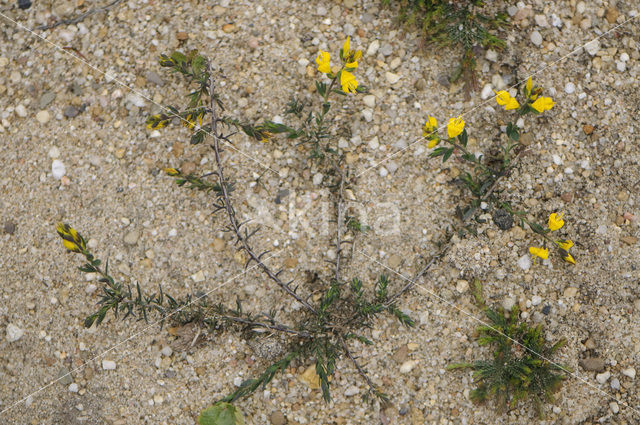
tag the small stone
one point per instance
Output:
(508, 303)
(14, 333)
(492, 55)
(58, 169)
(166, 351)
(629, 240)
(108, 365)
(546, 310)
(228, 28)
(462, 286)
(373, 48)
(629, 372)
(317, 179)
(408, 366)
(524, 262)
(43, 117)
(588, 129)
(182, 36)
(391, 77)
(64, 377)
(277, 418)
(569, 88)
(502, 219)
(386, 49)
(9, 227)
(218, 244)
(291, 262)
(536, 38)
(47, 98)
(369, 100)
(310, 377)
(592, 47)
(401, 354)
(155, 78)
(590, 344)
(21, 111)
(54, 152)
(73, 388)
(614, 407)
(621, 66)
(536, 300)
(567, 196)
(570, 292)
(624, 57)
(198, 277)
(603, 377)
(611, 15)
(374, 143)
(541, 20)
(71, 111)
(383, 172)
(592, 364)
(486, 92)
(351, 391)
(394, 261)
(131, 238)
(443, 80)
(367, 115)
(615, 384)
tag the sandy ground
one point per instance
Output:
(112, 191)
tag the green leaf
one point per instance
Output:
(513, 132)
(178, 57)
(321, 87)
(463, 138)
(221, 414)
(447, 154)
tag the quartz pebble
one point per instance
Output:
(58, 169)
(43, 117)
(108, 365)
(317, 179)
(603, 377)
(392, 78)
(536, 38)
(14, 333)
(629, 372)
(524, 262)
(569, 88)
(21, 111)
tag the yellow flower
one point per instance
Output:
(511, 104)
(528, 86)
(349, 56)
(455, 127)
(543, 104)
(569, 259)
(433, 142)
(172, 172)
(502, 97)
(429, 126)
(323, 62)
(539, 252)
(71, 239)
(346, 47)
(555, 221)
(348, 82)
(157, 121)
(265, 136)
(565, 245)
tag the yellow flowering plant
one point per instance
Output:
(554, 223)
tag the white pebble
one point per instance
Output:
(492, 55)
(629, 372)
(73, 388)
(54, 152)
(569, 88)
(108, 365)
(408, 366)
(136, 99)
(592, 47)
(487, 91)
(383, 172)
(392, 78)
(373, 48)
(541, 21)
(624, 57)
(536, 38)
(198, 277)
(556, 159)
(237, 381)
(14, 333)
(166, 351)
(351, 391)
(508, 303)
(21, 111)
(374, 144)
(614, 407)
(524, 262)
(536, 300)
(43, 117)
(317, 179)
(58, 169)
(603, 377)
(369, 100)
(367, 114)
(621, 66)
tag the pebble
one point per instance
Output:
(317, 179)
(570, 292)
(391, 77)
(621, 66)
(166, 351)
(47, 98)
(108, 365)
(536, 38)
(54, 152)
(592, 47)
(367, 114)
(383, 172)
(374, 143)
(373, 48)
(386, 49)
(624, 57)
(351, 391)
(536, 300)
(462, 286)
(603, 377)
(369, 100)
(487, 92)
(9, 227)
(615, 384)
(569, 88)
(277, 418)
(541, 20)
(593, 364)
(14, 333)
(155, 78)
(492, 55)
(43, 117)
(131, 238)
(508, 303)
(310, 377)
(198, 277)
(408, 366)
(21, 111)
(629, 372)
(614, 407)
(524, 262)
(73, 388)
(218, 244)
(64, 377)
(136, 100)
(58, 169)
(394, 261)
(71, 111)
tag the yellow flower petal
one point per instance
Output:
(569, 259)
(555, 221)
(529, 85)
(70, 246)
(348, 82)
(565, 245)
(539, 252)
(433, 142)
(323, 60)
(511, 104)
(543, 104)
(502, 97)
(455, 127)
(353, 64)
(346, 47)
(429, 126)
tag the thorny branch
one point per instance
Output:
(372, 387)
(80, 17)
(231, 214)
